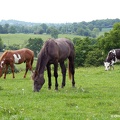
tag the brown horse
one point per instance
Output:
(54, 51)
(11, 57)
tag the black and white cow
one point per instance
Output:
(112, 57)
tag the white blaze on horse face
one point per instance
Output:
(1, 64)
(107, 65)
(16, 58)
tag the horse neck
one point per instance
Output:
(2, 59)
(41, 63)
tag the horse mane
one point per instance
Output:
(42, 57)
(2, 56)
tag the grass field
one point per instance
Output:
(95, 97)
(10, 39)
(21, 39)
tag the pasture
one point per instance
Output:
(95, 97)
(21, 39)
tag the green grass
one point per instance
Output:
(104, 30)
(10, 39)
(95, 97)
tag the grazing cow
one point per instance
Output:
(112, 57)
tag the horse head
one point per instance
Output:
(110, 60)
(38, 81)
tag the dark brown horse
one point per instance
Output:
(54, 51)
(11, 57)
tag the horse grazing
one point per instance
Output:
(11, 57)
(112, 57)
(54, 51)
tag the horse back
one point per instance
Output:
(65, 46)
(20, 56)
(61, 48)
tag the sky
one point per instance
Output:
(59, 11)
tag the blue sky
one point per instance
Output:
(59, 11)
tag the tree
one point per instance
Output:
(39, 30)
(1, 29)
(110, 40)
(96, 31)
(94, 57)
(12, 29)
(5, 27)
(54, 32)
(82, 47)
(13, 47)
(35, 45)
(1, 44)
(44, 27)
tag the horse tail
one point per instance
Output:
(69, 69)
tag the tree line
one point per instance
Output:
(89, 51)
(89, 29)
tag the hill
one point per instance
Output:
(90, 29)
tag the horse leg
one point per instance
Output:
(49, 76)
(56, 75)
(27, 67)
(63, 70)
(5, 71)
(12, 69)
(31, 63)
(72, 70)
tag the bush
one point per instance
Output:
(94, 58)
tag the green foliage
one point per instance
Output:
(110, 40)
(82, 50)
(78, 28)
(15, 70)
(35, 45)
(12, 29)
(54, 32)
(13, 47)
(1, 44)
(94, 58)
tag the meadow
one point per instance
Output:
(95, 97)
(21, 39)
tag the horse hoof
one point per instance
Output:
(56, 89)
(73, 86)
(49, 88)
(63, 85)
